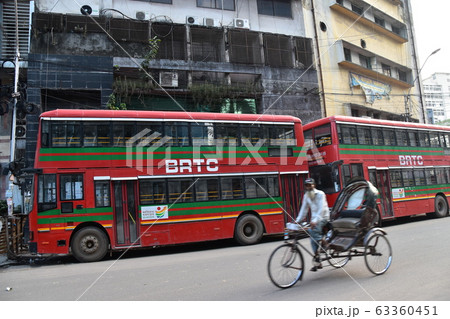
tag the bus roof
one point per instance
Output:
(374, 122)
(78, 114)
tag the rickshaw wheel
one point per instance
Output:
(378, 254)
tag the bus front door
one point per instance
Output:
(125, 213)
(384, 187)
(292, 189)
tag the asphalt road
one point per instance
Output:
(223, 271)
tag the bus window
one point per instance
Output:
(152, 192)
(322, 135)
(402, 138)
(396, 178)
(180, 190)
(102, 194)
(66, 134)
(96, 134)
(148, 133)
(440, 176)
(364, 136)
(71, 186)
(272, 186)
(430, 176)
(424, 139)
(408, 178)
(434, 140)
(122, 132)
(307, 135)
(232, 187)
(281, 135)
(202, 134)
(321, 174)
(255, 187)
(46, 192)
(350, 171)
(253, 134)
(377, 136)
(347, 134)
(419, 177)
(207, 189)
(227, 134)
(389, 137)
(178, 132)
(414, 138)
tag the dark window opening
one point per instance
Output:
(278, 50)
(207, 45)
(303, 52)
(216, 4)
(244, 47)
(279, 8)
(173, 40)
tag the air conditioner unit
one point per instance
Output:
(210, 22)
(141, 15)
(241, 23)
(193, 20)
(168, 79)
(90, 10)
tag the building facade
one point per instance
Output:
(367, 57)
(437, 97)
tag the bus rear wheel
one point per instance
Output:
(440, 207)
(89, 244)
(249, 230)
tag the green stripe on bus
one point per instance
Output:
(95, 210)
(76, 219)
(388, 150)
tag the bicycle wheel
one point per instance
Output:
(378, 254)
(285, 265)
(337, 259)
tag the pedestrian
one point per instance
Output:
(314, 200)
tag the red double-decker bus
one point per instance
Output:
(114, 180)
(409, 163)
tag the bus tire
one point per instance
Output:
(89, 244)
(248, 230)
(440, 207)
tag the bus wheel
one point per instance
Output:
(440, 207)
(89, 244)
(248, 230)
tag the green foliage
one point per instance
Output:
(153, 47)
(223, 98)
(113, 104)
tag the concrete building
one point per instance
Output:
(367, 57)
(437, 97)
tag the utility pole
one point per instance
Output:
(15, 96)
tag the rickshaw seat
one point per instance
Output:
(348, 220)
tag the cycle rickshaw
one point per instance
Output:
(352, 232)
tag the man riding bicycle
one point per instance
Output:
(315, 201)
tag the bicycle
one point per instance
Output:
(286, 263)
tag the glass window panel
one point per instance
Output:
(180, 191)
(364, 136)
(102, 194)
(424, 139)
(419, 177)
(408, 178)
(396, 178)
(71, 187)
(402, 138)
(322, 135)
(202, 134)
(227, 134)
